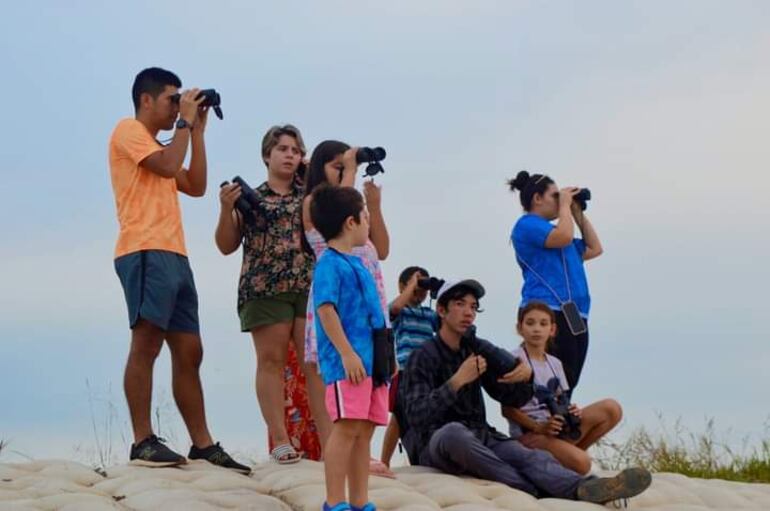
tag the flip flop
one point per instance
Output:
(285, 454)
(378, 468)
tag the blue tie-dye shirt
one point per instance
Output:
(343, 281)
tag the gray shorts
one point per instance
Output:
(159, 288)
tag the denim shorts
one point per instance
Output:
(159, 288)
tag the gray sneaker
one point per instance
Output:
(151, 452)
(626, 484)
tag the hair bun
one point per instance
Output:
(520, 181)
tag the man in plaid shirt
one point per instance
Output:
(443, 420)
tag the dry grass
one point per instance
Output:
(681, 451)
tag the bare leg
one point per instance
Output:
(598, 419)
(358, 471)
(271, 343)
(339, 448)
(316, 389)
(569, 455)
(146, 342)
(390, 441)
(186, 356)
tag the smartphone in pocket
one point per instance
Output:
(575, 321)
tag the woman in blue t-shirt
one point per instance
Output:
(551, 261)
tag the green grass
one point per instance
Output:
(699, 455)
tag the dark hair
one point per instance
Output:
(456, 293)
(331, 206)
(529, 186)
(407, 273)
(324, 152)
(536, 306)
(152, 81)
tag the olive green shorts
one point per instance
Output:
(280, 308)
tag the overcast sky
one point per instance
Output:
(661, 108)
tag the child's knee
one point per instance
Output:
(613, 411)
(582, 463)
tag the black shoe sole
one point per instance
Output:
(157, 464)
(628, 483)
(245, 471)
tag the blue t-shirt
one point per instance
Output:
(412, 327)
(528, 237)
(343, 281)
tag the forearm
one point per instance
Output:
(401, 301)
(378, 233)
(330, 322)
(565, 229)
(197, 175)
(228, 234)
(520, 418)
(590, 237)
(172, 156)
(423, 407)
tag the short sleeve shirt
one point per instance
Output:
(342, 281)
(543, 371)
(273, 258)
(147, 204)
(411, 328)
(528, 237)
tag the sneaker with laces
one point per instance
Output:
(216, 455)
(151, 452)
(626, 484)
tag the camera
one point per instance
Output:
(372, 156)
(248, 203)
(211, 98)
(431, 284)
(558, 404)
(499, 361)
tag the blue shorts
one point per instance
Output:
(159, 288)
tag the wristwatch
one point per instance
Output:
(182, 124)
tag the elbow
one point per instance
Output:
(382, 253)
(197, 191)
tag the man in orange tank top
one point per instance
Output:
(151, 259)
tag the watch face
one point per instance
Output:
(181, 124)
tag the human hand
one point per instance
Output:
(470, 370)
(228, 194)
(551, 428)
(566, 196)
(411, 285)
(354, 368)
(188, 105)
(373, 195)
(349, 160)
(522, 372)
(575, 410)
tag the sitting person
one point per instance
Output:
(413, 324)
(533, 424)
(441, 412)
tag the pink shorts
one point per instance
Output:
(363, 401)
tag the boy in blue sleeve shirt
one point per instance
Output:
(347, 311)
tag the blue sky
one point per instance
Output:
(660, 108)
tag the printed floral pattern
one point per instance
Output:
(273, 258)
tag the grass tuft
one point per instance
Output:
(699, 455)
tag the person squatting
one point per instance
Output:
(311, 290)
